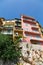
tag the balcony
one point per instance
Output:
(17, 25)
(6, 32)
(30, 21)
(18, 21)
(36, 39)
(36, 32)
(34, 26)
(32, 32)
(18, 29)
(8, 27)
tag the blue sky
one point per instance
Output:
(10, 9)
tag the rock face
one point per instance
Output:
(31, 54)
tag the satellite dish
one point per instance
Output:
(17, 33)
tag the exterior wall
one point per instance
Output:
(27, 28)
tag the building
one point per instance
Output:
(31, 30)
(26, 27)
(42, 31)
(6, 27)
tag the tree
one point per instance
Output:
(9, 50)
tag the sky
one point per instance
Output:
(10, 9)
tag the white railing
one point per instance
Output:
(34, 38)
(35, 26)
(7, 33)
(8, 26)
(32, 31)
(30, 20)
(35, 31)
(27, 19)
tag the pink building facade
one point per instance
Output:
(31, 30)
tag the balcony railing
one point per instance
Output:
(8, 26)
(31, 31)
(34, 38)
(35, 31)
(34, 26)
(17, 24)
(10, 33)
(18, 28)
(18, 21)
(32, 21)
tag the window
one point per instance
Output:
(38, 36)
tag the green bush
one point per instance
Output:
(9, 50)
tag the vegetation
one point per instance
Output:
(9, 50)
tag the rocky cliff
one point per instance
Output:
(32, 54)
